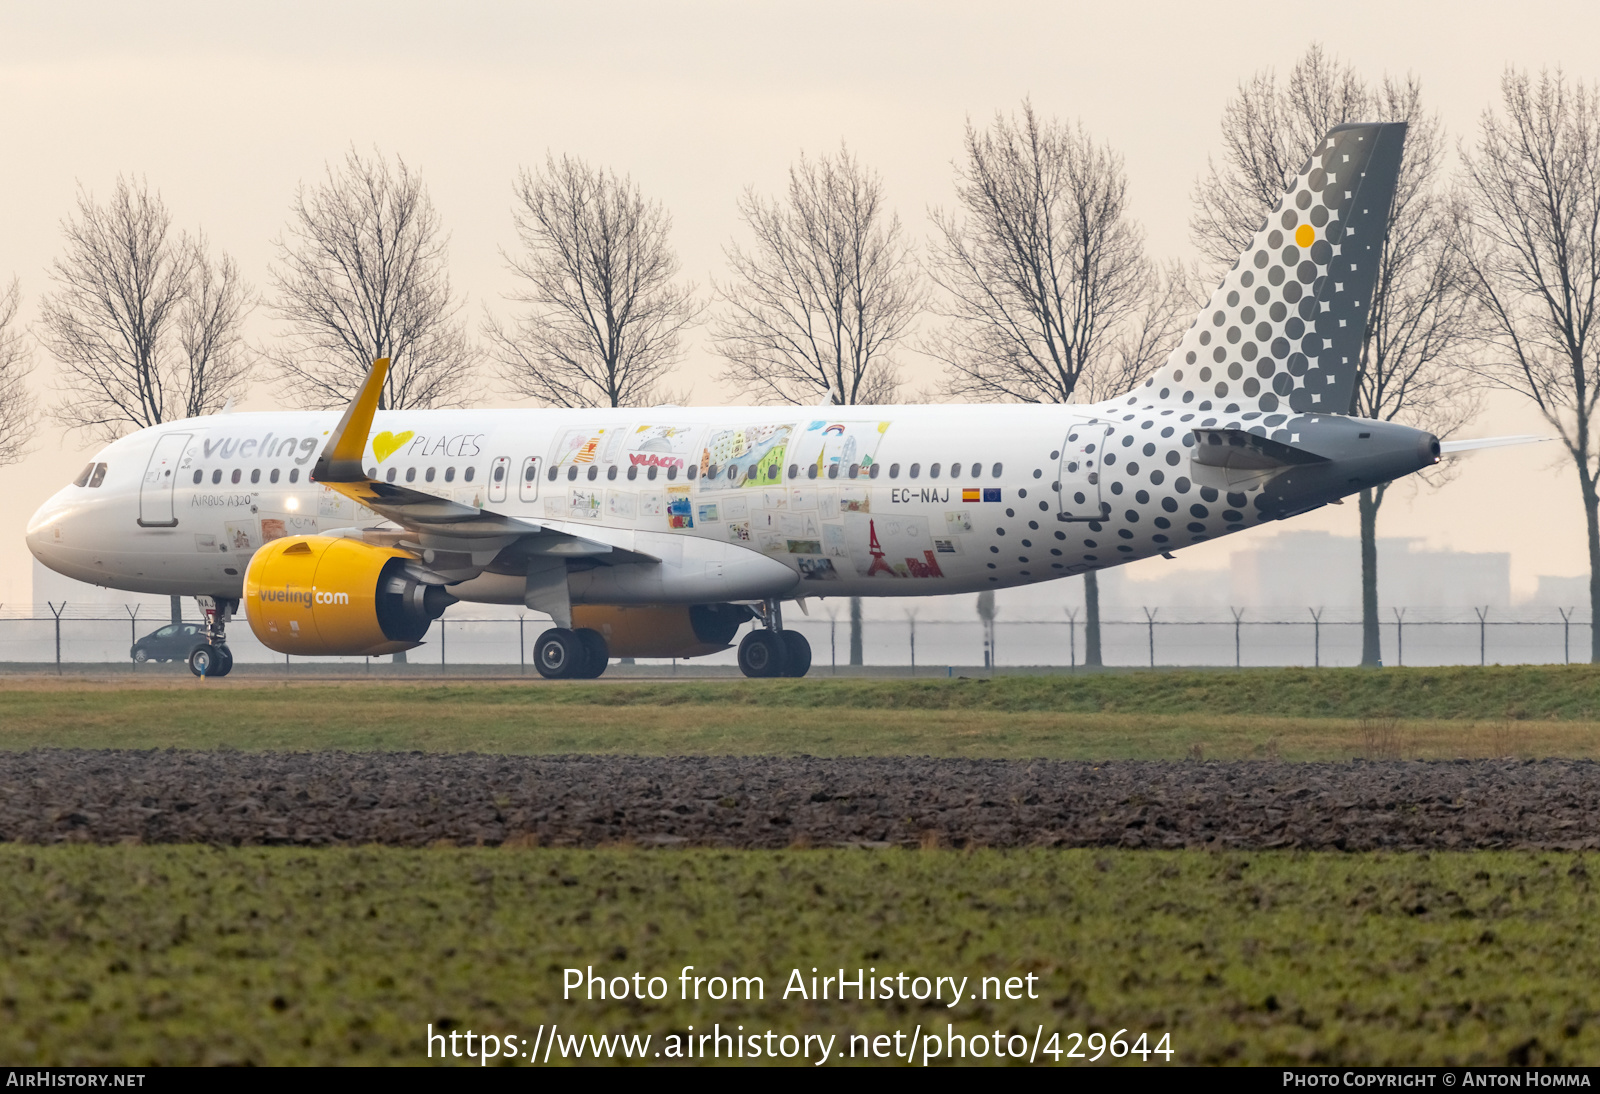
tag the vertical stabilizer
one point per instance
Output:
(1283, 332)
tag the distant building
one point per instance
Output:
(1295, 571)
(1562, 592)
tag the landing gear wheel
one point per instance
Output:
(224, 663)
(203, 661)
(762, 654)
(559, 654)
(797, 654)
(597, 653)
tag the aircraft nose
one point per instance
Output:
(46, 528)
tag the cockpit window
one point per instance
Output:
(83, 476)
(98, 477)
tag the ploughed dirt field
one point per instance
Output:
(418, 799)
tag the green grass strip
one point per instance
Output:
(177, 955)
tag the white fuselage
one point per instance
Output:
(872, 500)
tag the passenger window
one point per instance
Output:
(411, 473)
(530, 472)
(572, 473)
(372, 473)
(933, 472)
(235, 476)
(995, 471)
(594, 472)
(693, 468)
(977, 470)
(955, 471)
(198, 475)
(833, 471)
(794, 470)
(98, 477)
(733, 471)
(855, 469)
(427, 476)
(83, 476)
(772, 472)
(450, 474)
(916, 469)
(467, 475)
(894, 471)
(390, 474)
(554, 471)
(651, 474)
(611, 473)
(672, 472)
(294, 474)
(811, 471)
(216, 476)
(872, 472)
(633, 471)
(500, 473)
(274, 476)
(255, 475)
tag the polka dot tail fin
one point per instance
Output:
(1283, 332)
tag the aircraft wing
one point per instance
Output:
(438, 523)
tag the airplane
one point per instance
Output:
(660, 532)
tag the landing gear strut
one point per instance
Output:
(772, 651)
(565, 654)
(213, 658)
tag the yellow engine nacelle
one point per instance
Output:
(668, 630)
(322, 595)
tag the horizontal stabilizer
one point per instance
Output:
(1240, 451)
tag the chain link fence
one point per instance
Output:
(1409, 637)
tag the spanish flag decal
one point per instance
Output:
(972, 495)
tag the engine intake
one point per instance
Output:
(327, 596)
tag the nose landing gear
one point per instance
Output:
(213, 658)
(773, 651)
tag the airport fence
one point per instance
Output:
(1408, 637)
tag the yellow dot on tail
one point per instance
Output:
(1304, 235)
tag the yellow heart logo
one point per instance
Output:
(386, 444)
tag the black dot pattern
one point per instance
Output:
(1283, 331)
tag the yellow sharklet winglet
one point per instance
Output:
(341, 456)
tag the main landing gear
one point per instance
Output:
(565, 654)
(772, 651)
(213, 658)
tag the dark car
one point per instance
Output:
(171, 643)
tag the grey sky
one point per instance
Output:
(225, 111)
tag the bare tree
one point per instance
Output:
(1047, 287)
(819, 302)
(605, 318)
(145, 324)
(209, 331)
(1411, 367)
(362, 275)
(18, 415)
(1048, 292)
(1533, 249)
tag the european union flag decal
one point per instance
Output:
(991, 493)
